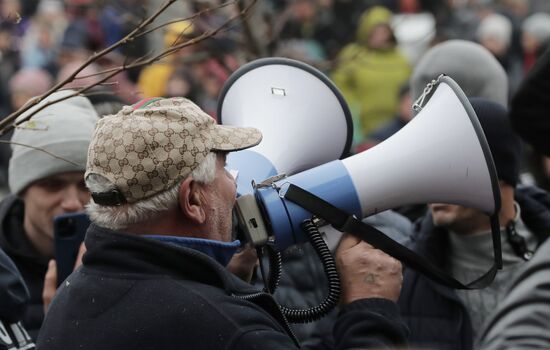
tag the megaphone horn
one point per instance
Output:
(440, 156)
(297, 109)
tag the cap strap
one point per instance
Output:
(111, 198)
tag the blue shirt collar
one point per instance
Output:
(222, 252)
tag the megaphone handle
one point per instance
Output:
(344, 222)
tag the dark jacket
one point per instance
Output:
(529, 106)
(435, 315)
(13, 298)
(30, 263)
(137, 293)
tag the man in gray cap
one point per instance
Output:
(46, 179)
(154, 274)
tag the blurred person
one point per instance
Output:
(27, 83)
(74, 45)
(471, 65)
(370, 71)
(118, 84)
(403, 116)
(153, 79)
(309, 22)
(459, 239)
(182, 84)
(535, 38)
(13, 297)
(42, 187)
(40, 46)
(522, 319)
(161, 231)
(105, 102)
(495, 34)
(23, 85)
(87, 76)
(9, 64)
(118, 19)
(529, 106)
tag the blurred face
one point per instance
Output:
(50, 197)
(222, 193)
(529, 43)
(381, 37)
(495, 46)
(459, 219)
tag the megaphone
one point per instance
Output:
(440, 156)
(304, 119)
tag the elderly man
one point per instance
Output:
(46, 178)
(154, 274)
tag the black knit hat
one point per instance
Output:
(506, 146)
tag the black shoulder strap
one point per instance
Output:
(345, 222)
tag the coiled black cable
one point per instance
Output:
(323, 252)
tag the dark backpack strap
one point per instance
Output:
(345, 222)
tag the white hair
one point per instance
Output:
(119, 217)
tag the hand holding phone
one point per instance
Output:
(69, 232)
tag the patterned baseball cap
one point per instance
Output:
(147, 148)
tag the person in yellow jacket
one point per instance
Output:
(153, 79)
(370, 71)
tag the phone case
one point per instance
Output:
(69, 232)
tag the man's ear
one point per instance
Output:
(192, 201)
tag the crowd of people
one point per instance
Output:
(144, 156)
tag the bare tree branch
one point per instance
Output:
(11, 121)
(251, 42)
(39, 149)
(5, 123)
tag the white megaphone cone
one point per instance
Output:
(303, 117)
(440, 156)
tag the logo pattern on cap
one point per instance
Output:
(147, 150)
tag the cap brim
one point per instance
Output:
(234, 138)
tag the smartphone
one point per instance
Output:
(69, 231)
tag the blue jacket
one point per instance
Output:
(435, 315)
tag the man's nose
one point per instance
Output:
(71, 200)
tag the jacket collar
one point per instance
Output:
(124, 253)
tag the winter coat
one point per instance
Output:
(434, 313)
(13, 298)
(134, 292)
(529, 106)
(31, 264)
(370, 79)
(522, 319)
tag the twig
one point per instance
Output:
(11, 121)
(252, 42)
(39, 149)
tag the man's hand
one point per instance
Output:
(50, 280)
(366, 272)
